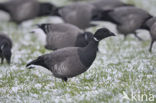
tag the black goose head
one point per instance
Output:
(96, 14)
(46, 9)
(44, 27)
(102, 33)
(103, 15)
(39, 61)
(56, 11)
(6, 51)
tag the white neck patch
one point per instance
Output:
(95, 39)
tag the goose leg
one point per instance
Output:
(125, 37)
(64, 79)
(150, 49)
(2, 59)
(135, 34)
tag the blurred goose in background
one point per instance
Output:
(127, 18)
(22, 10)
(153, 35)
(5, 48)
(150, 25)
(72, 61)
(108, 4)
(78, 13)
(64, 35)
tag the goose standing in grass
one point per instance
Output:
(64, 35)
(22, 10)
(71, 61)
(78, 13)
(127, 18)
(5, 48)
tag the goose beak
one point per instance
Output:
(31, 63)
(112, 34)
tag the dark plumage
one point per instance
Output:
(72, 61)
(22, 10)
(128, 19)
(78, 13)
(5, 48)
(64, 35)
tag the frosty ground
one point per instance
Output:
(120, 66)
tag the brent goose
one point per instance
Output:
(77, 13)
(127, 18)
(64, 35)
(22, 10)
(71, 61)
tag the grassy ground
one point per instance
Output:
(120, 67)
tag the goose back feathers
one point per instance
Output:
(64, 35)
(79, 14)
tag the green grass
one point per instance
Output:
(120, 66)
